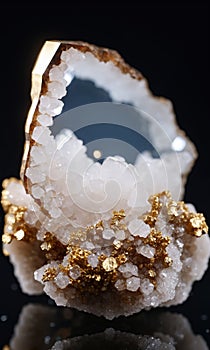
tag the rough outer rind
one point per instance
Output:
(26, 257)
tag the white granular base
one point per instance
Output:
(133, 290)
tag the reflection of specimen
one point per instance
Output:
(44, 327)
(110, 238)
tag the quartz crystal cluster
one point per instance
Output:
(109, 238)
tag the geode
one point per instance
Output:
(101, 225)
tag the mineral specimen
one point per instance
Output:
(108, 237)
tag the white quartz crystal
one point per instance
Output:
(92, 260)
(50, 106)
(62, 280)
(17, 194)
(133, 284)
(146, 250)
(108, 234)
(128, 269)
(38, 155)
(74, 272)
(45, 120)
(120, 284)
(56, 73)
(146, 286)
(138, 228)
(35, 175)
(37, 191)
(120, 235)
(56, 89)
(41, 134)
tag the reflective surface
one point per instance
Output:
(36, 323)
(40, 326)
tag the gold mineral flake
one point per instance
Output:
(15, 225)
(52, 247)
(193, 223)
(151, 273)
(110, 264)
(6, 238)
(116, 219)
(20, 234)
(49, 274)
(151, 217)
(99, 225)
(197, 225)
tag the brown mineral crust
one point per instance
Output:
(102, 54)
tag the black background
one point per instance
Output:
(168, 43)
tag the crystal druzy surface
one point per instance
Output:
(97, 222)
